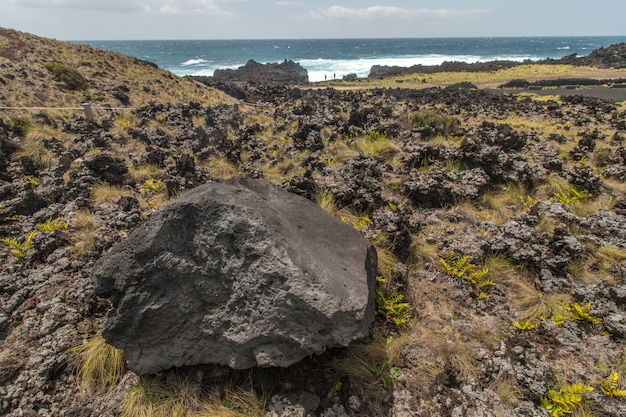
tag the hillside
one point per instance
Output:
(107, 79)
(499, 222)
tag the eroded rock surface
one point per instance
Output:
(238, 273)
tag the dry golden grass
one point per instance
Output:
(99, 365)
(443, 345)
(326, 201)
(422, 252)
(383, 148)
(153, 397)
(131, 149)
(219, 168)
(507, 390)
(236, 403)
(507, 204)
(145, 172)
(337, 152)
(281, 171)
(107, 193)
(32, 145)
(554, 184)
(386, 261)
(508, 275)
(373, 363)
(588, 207)
(81, 236)
(540, 306)
(602, 263)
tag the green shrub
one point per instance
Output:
(69, 76)
(442, 124)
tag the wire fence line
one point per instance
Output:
(86, 107)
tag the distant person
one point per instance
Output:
(324, 77)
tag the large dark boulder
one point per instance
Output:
(238, 273)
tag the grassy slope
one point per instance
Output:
(24, 81)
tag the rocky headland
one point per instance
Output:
(613, 56)
(498, 222)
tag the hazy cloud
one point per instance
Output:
(385, 12)
(98, 5)
(155, 6)
(188, 6)
(289, 3)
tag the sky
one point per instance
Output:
(272, 19)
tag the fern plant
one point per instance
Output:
(527, 202)
(53, 225)
(391, 304)
(456, 267)
(151, 185)
(462, 268)
(564, 401)
(478, 280)
(20, 249)
(525, 325)
(358, 222)
(34, 182)
(611, 386)
(571, 196)
(581, 313)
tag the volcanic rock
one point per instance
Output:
(287, 72)
(238, 273)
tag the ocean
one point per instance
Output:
(328, 58)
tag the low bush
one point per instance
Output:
(69, 76)
(441, 124)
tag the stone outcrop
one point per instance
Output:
(287, 72)
(238, 273)
(383, 71)
(613, 56)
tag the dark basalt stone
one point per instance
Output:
(238, 273)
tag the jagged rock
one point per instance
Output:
(519, 241)
(440, 187)
(106, 167)
(285, 72)
(238, 273)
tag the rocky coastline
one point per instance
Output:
(499, 218)
(613, 56)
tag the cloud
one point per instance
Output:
(289, 3)
(189, 6)
(98, 5)
(389, 12)
(155, 6)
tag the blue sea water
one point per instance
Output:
(327, 58)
